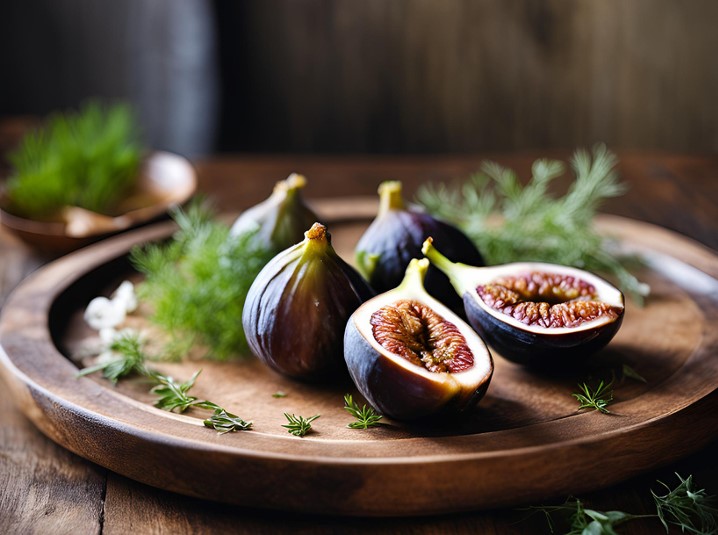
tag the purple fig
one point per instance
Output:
(298, 305)
(280, 220)
(395, 237)
(410, 356)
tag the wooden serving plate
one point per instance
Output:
(525, 443)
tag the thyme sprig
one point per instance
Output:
(691, 510)
(298, 425)
(366, 417)
(510, 222)
(597, 399)
(126, 357)
(173, 395)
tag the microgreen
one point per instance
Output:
(365, 416)
(298, 425)
(510, 222)
(597, 399)
(89, 159)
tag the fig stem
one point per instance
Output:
(318, 232)
(390, 196)
(451, 269)
(415, 273)
(290, 184)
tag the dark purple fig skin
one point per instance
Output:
(394, 391)
(397, 236)
(538, 350)
(296, 310)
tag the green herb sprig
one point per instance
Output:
(298, 425)
(596, 399)
(173, 396)
(366, 417)
(88, 159)
(198, 282)
(128, 359)
(692, 511)
(226, 422)
(510, 222)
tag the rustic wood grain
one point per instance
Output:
(70, 495)
(461, 75)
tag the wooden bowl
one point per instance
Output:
(166, 180)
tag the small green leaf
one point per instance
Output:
(226, 422)
(365, 416)
(627, 371)
(298, 425)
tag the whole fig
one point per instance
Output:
(280, 220)
(410, 356)
(395, 237)
(298, 305)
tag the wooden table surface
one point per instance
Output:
(46, 489)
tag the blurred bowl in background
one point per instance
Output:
(166, 180)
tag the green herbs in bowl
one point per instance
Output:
(86, 175)
(88, 159)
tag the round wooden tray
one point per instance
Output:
(526, 441)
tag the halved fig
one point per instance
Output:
(410, 356)
(535, 313)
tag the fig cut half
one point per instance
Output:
(410, 356)
(535, 313)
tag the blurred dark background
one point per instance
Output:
(377, 76)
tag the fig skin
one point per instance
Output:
(395, 237)
(280, 220)
(534, 347)
(298, 305)
(398, 388)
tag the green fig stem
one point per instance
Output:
(390, 196)
(316, 240)
(453, 270)
(415, 273)
(290, 185)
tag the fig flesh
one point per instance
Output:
(298, 305)
(533, 313)
(410, 356)
(395, 237)
(280, 220)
